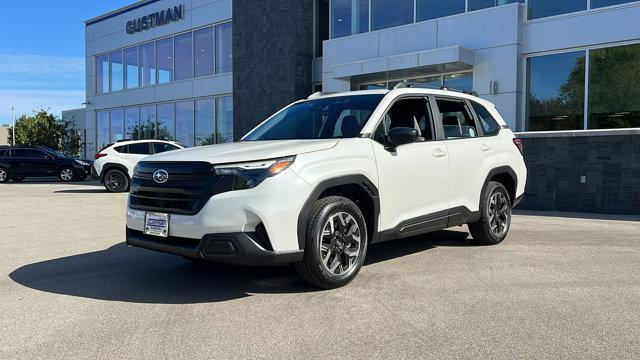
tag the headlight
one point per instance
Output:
(251, 174)
(83, 163)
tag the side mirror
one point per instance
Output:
(400, 136)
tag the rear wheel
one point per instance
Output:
(4, 175)
(66, 174)
(495, 215)
(116, 180)
(336, 243)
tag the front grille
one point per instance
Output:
(189, 186)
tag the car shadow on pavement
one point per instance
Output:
(83, 191)
(122, 273)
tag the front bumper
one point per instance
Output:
(233, 248)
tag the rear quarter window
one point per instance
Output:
(123, 149)
(489, 124)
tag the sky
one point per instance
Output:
(42, 54)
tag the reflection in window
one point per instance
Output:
(349, 17)
(556, 92)
(613, 87)
(483, 4)
(132, 123)
(224, 115)
(164, 130)
(184, 63)
(131, 67)
(203, 42)
(102, 129)
(164, 50)
(117, 125)
(461, 81)
(204, 122)
(223, 48)
(389, 13)
(543, 8)
(148, 64)
(147, 122)
(184, 122)
(433, 9)
(117, 74)
(602, 3)
(102, 74)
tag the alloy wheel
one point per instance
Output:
(66, 174)
(3, 175)
(115, 181)
(340, 243)
(499, 214)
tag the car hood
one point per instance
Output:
(245, 151)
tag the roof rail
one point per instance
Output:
(409, 84)
(319, 93)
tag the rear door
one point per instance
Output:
(20, 162)
(471, 155)
(136, 152)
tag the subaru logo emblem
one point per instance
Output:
(160, 176)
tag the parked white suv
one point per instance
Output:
(319, 181)
(114, 163)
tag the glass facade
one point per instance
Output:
(556, 92)
(386, 14)
(458, 81)
(350, 17)
(131, 71)
(614, 89)
(433, 9)
(602, 3)
(543, 8)
(192, 122)
(196, 53)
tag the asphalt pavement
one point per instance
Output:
(562, 285)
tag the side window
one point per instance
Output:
(20, 153)
(350, 122)
(37, 154)
(412, 113)
(162, 147)
(139, 148)
(123, 149)
(3, 153)
(456, 119)
(489, 124)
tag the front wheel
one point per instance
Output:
(495, 215)
(66, 174)
(335, 244)
(116, 181)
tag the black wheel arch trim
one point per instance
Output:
(502, 170)
(357, 179)
(108, 166)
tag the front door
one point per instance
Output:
(413, 178)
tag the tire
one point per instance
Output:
(18, 179)
(115, 180)
(4, 175)
(495, 215)
(333, 259)
(66, 174)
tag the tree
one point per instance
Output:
(45, 129)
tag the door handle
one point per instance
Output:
(485, 147)
(439, 153)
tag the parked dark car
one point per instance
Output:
(20, 162)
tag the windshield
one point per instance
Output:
(325, 118)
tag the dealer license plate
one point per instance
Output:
(156, 224)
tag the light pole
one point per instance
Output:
(13, 128)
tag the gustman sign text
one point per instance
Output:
(155, 19)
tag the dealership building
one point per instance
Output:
(207, 71)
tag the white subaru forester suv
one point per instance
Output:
(318, 182)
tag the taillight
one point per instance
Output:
(518, 143)
(99, 155)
